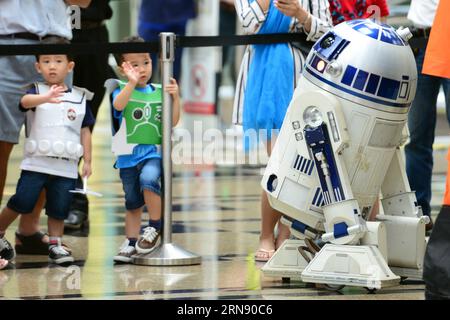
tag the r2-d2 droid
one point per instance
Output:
(338, 152)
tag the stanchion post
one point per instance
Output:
(167, 253)
(167, 57)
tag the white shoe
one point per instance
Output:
(147, 242)
(125, 252)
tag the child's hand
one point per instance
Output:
(87, 171)
(54, 93)
(172, 88)
(130, 72)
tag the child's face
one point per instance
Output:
(54, 68)
(142, 63)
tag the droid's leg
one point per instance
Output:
(345, 261)
(344, 224)
(405, 224)
(398, 199)
(293, 189)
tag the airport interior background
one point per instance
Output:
(216, 214)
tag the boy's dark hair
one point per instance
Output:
(56, 40)
(130, 39)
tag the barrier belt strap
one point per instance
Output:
(236, 40)
(181, 41)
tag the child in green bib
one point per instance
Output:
(137, 108)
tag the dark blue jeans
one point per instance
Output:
(422, 124)
(30, 185)
(145, 175)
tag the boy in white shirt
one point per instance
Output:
(57, 135)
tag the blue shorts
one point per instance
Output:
(145, 175)
(30, 185)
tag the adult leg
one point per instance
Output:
(151, 33)
(178, 29)
(421, 123)
(16, 73)
(92, 70)
(29, 240)
(5, 151)
(6, 218)
(91, 73)
(269, 218)
(446, 86)
(227, 26)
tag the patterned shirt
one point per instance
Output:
(344, 10)
(251, 17)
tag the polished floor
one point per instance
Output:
(215, 215)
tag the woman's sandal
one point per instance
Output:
(263, 255)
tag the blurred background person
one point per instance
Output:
(156, 16)
(422, 114)
(91, 73)
(344, 10)
(227, 27)
(436, 272)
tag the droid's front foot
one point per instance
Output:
(342, 265)
(288, 261)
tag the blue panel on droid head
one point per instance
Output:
(390, 36)
(330, 46)
(370, 28)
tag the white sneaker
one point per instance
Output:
(57, 254)
(147, 242)
(125, 252)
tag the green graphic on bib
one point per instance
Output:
(143, 118)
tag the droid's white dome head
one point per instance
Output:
(365, 62)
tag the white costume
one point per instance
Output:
(53, 133)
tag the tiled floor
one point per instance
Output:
(215, 215)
